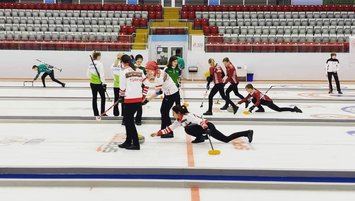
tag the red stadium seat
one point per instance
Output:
(206, 30)
(204, 22)
(123, 30)
(151, 15)
(184, 15)
(158, 15)
(198, 23)
(136, 22)
(139, 7)
(191, 15)
(130, 30)
(214, 30)
(146, 7)
(143, 22)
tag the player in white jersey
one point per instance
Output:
(197, 126)
(163, 85)
(131, 81)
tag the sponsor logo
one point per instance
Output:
(332, 116)
(20, 140)
(112, 145)
(350, 109)
(241, 144)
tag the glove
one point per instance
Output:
(120, 99)
(145, 102)
(104, 86)
(251, 108)
(50, 66)
(208, 86)
(208, 131)
(159, 92)
(209, 79)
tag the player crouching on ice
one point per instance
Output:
(260, 99)
(199, 127)
(46, 70)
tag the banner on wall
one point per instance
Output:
(49, 1)
(213, 2)
(132, 2)
(198, 43)
(307, 2)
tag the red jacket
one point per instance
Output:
(232, 74)
(217, 73)
(257, 95)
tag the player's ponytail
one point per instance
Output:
(180, 109)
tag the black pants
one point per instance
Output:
(51, 75)
(94, 89)
(116, 111)
(197, 131)
(131, 131)
(234, 88)
(336, 78)
(218, 88)
(138, 115)
(272, 106)
(165, 108)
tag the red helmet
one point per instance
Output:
(152, 65)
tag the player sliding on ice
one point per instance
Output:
(46, 70)
(260, 99)
(198, 127)
(163, 84)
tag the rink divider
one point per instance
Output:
(179, 174)
(157, 120)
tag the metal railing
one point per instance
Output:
(66, 45)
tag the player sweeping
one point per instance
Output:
(216, 75)
(260, 99)
(46, 70)
(96, 74)
(131, 93)
(233, 79)
(163, 84)
(198, 127)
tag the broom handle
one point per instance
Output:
(210, 142)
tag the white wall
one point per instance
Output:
(18, 63)
(278, 66)
(265, 66)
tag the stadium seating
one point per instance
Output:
(77, 23)
(267, 25)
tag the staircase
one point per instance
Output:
(140, 39)
(171, 19)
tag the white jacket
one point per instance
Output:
(184, 121)
(332, 65)
(92, 73)
(165, 83)
(131, 82)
